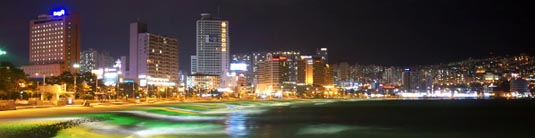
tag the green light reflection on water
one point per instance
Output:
(121, 119)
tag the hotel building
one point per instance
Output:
(54, 44)
(212, 52)
(153, 58)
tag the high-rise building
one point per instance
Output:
(392, 76)
(406, 79)
(125, 65)
(314, 71)
(136, 28)
(272, 72)
(323, 73)
(193, 64)
(153, 58)
(92, 59)
(519, 85)
(305, 72)
(410, 79)
(242, 64)
(213, 45)
(257, 58)
(342, 71)
(323, 54)
(54, 44)
(292, 59)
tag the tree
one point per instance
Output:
(68, 79)
(91, 79)
(12, 80)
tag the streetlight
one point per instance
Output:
(2, 52)
(37, 75)
(44, 78)
(75, 66)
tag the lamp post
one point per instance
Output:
(134, 91)
(42, 97)
(37, 75)
(75, 66)
(96, 81)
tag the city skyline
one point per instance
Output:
(382, 28)
(266, 68)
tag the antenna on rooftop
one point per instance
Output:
(219, 9)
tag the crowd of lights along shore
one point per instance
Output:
(152, 68)
(153, 62)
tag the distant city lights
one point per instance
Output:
(238, 67)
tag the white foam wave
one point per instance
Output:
(171, 117)
(323, 129)
(107, 128)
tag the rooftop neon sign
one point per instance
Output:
(59, 13)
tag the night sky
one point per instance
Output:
(388, 32)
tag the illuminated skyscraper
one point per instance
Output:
(272, 72)
(342, 71)
(292, 58)
(323, 54)
(243, 59)
(256, 59)
(213, 44)
(322, 73)
(407, 79)
(92, 59)
(305, 70)
(54, 44)
(314, 71)
(153, 58)
(193, 64)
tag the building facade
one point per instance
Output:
(312, 70)
(342, 71)
(213, 43)
(242, 64)
(54, 41)
(193, 67)
(203, 82)
(323, 54)
(272, 73)
(136, 28)
(519, 85)
(322, 72)
(92, 59)
(153, 58)
(305, 72)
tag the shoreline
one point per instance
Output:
(79, 109)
